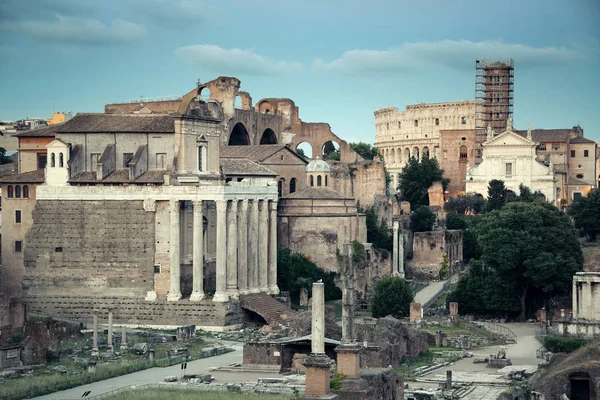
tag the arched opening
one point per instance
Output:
(330, 150)
(326, 181)
(265, 108)
(238, 102)
(399, 156)
(268, 137)
(25, 192)
(292, 185)
(312, 180)
(204, 94)
(280, 187)
(52, 160)
(304, 149)
(415, 153)
(393, 156)
(9, 192)
(239, 136)
(319, 179)
(406, 154)
(463, 153)
(17, 192)
(426, 151)
(60, 160)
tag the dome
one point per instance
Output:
(317, 165)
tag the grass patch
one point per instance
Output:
(189, 394)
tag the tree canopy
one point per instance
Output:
(496, 195)
(466, 204)
(422, 219)
(392, 295)
(586, 214)
(377, 232)
(365, 150)
(529, 253)
(3, 158)
(417, 176)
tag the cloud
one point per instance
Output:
(234, 61)
(76, 30)
(174, 13)
(451, 53)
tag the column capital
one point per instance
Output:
(197, 204)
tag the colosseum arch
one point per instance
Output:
(268, 137)
(415, 153)
(392, 156)
(426, 152)
(239, 136)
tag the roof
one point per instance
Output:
(119, 123)
(547, 135)
(306, 338)
(317, 165)
(9, 169)
(317, 193)
(47, 131)
(26, 177)
(243, 166)
(256, 152)
(581, 139)
(121, 176)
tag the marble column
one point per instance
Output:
(395, 262)
(95, 335)
(110, 331)
(575, 300)
(198, 252)
(253, 247)
(232, 247)
(401, 254)
(272, 274)
(174, 262)
(589, 297)
(124, 338)
(243, 247)
(263, 247)
(318, 318)
(221, 284)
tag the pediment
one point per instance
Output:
(57, 144)
(509, 138)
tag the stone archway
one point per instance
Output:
(239, 136)
(268, 137)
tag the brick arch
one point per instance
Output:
(268, 137)
(239, 136)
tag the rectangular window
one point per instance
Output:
(437, 121)
(42, 159)
(586, 153)
(572, 153)
(416, 122)
(161, 159)
(508, 169)
(18, 246)
(17, 216)
(200, 148)
(127, 157)
(577, 196)
(94, 157)
(157, 268)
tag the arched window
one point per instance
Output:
(463, 152)
(60, 159)
(25, 192)
(463, 120)
(17, 192)
(52, 160)
(9, 191)
(325, 180)
(312, 180)
(292, 185)
(319, 180)
(280, 188)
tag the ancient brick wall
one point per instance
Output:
(262, 353)
(361, 180)
(80, 248)
(429, 249)
(455, 166)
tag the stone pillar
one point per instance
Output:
(110, 331)
(449, 379)
(589, 300)
(124, 338)
(453, 311)
(198, 251)
(232, 247)
(174, 262)
(395, 261)
(253, 247)
(575, 300)
(221, 284)
(243, 248)
(416, 312)
(401, 254)
(272, 274)
(263, 247)
(303, 297)
(317, 363)
(95, 335)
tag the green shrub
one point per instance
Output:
(563, 344)
(336, 382)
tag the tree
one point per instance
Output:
(525, 194)
(422, 219)
(295, 271)
(417, 176)
(377, 232)
(530, 250)
(334, 155)
(301, 152)
(456, 221)
(365, 150)
(391, 296)
(586, 214)
(497, 194)
(466, 204)
(3, 158)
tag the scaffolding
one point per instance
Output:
(494, 81)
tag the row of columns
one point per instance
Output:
(583, 300)
(246, 249)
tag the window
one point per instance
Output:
(312, 180)
(60, 160)
(161, 159)
(416, 122)
(579, 176)
(53, 160)
(463, 120)
(463, 152)
(42, 159)
(437, 121)
(17, 192)
(127, 157)
(280, 188)
(292, 185)
(319, 180)
(586, 153)
(9, 192)
(577, 196)
(508, 169)
(18, 246)
(157, 268)
(445, 154)
(398, 124)
(387, 126)
(17, 216)
(572, 153)
(542, 147)
(58, 250)
(25, 192)
(325, 180)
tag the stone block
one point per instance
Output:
(416, 312)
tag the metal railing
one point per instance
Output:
(499, 329)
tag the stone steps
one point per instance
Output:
(267, 307)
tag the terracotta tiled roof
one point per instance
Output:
(152, 176)
(581, 139)
(47, 131)
(121, 176)
(118, 176)
(317, 193)
(257, 153)
(547, 135)
(243, 166)
(104, 123)
(26, 177)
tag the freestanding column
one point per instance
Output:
(273, 289)
(110, 331)
(95, 335)
(253, 248)
(174, 262)
(401, 254)
(263, 247)
(318, 318)
(243, 247)
(589, 298)
(395, 261)
(221, 285)
(198, 251)
(575, 300)
(124, 338)
(232, 246)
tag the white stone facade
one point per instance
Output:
(585, 320)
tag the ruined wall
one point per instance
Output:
(256, 124)
(361, 180)
(317, 134)
(455, 166)
(367, 273)
(428, 252)
(80, 248)
(262, 354)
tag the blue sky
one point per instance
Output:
(338, 60)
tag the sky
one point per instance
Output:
(339, 60)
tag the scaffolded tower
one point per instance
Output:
(494, 80)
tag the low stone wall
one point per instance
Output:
(136, 312)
